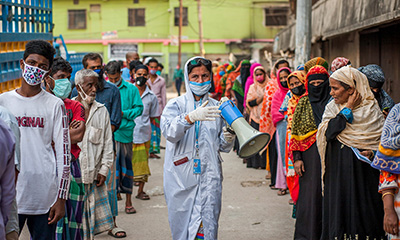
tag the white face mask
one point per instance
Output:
(86, 99)
(33, 75)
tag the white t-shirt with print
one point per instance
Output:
(44, 172)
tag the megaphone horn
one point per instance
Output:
(250, 140)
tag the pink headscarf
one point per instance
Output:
(278, 98)
(249, 81)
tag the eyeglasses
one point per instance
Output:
(203, 61)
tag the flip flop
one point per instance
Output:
(113, 232)
(282, 192)
(143, 196)
(130, 210)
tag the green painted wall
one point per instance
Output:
(229, 19)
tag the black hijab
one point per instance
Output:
(319, 95)
(244, 72)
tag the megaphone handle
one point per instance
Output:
(229, 128)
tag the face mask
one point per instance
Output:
(284, 84)
(153, 71)
(141, 81)
(117, 83)
(99, 71)
(62, 88)
(300, 90)
(86, 99)
(33, 75)
(221, 73)
(377, 95)
(200, 89)
(260, 78)
(158, 73)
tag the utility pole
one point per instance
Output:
(180, 33)
(201, 43)
(303, 32)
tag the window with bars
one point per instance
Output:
(184, 16)
(276, 16)
(136, 17)
(77, 19)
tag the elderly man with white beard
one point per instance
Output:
(96, 156)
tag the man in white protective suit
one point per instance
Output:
(196, 134)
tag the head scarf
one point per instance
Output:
(388, 155)
(266, 123)
(245, 72)
(228, 68)
(256, 91)
(217, 81)
(294, 99)
(249, 81)
(274, 70)
(232, 75)
(319, 95)
(376, 79)
(316, 61)
(338, 63)
(278, 98)
(365, 130)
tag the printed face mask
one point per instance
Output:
(62, 88)
(200, 89)
(141, 81)
(33, 75)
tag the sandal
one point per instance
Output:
(130, 210)
(291, 202)
(282, 192)
(143, 196)
(273, 187)
(114, 232)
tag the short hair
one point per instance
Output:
(130, 54)
(92, 57)
(42, 48)
(81, 74)
(281, 62)
(133, 64)
(160, 65)
(60, 64)
(113, 67)
(153, 60)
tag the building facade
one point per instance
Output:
(150, 27)
(364, 31)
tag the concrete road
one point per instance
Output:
(250, 209)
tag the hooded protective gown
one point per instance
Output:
(192, 198)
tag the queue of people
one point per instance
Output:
(67, 155)
(325, 126)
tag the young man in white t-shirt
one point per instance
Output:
(43, 181)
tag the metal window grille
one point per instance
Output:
(185, 16)
(136, 17)
(77, 19)
(276, 16)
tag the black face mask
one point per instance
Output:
(377, 95)
(299, 90)
(284, 84)
(141, 81)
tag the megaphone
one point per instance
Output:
(250, 140)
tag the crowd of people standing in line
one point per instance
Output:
(326, 126)
(68, 154)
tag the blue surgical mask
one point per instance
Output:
(62, 88)
(200, 89)
(98, 71)
(158, 73)
(153, 71)
(117, 83)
